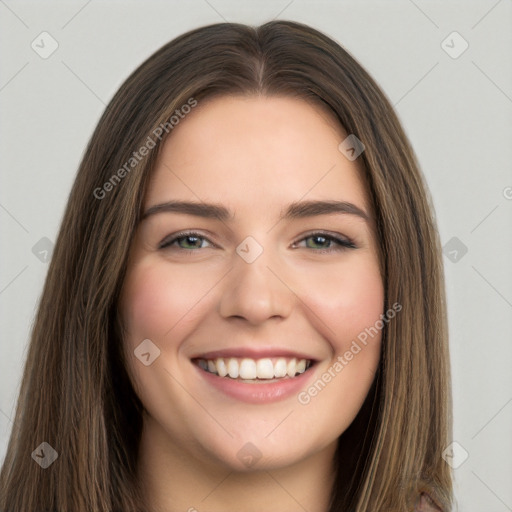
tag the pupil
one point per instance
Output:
(319, 240)
(188, 238)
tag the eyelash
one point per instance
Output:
(342, 243)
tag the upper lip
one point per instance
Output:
(253, 353)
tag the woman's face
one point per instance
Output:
(254, 291)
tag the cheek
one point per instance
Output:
(347, 301)
(349, 306)
(159, 304)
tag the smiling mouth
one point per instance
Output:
(255, 370)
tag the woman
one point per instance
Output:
(293, 354)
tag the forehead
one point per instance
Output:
(256, 150)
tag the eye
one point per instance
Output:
(327, 242)
(191, 239)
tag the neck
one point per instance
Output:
(173, 480)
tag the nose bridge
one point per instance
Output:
(255, 291)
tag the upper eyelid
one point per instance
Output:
(329, 234)
(183, 234)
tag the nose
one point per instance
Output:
(257, 291)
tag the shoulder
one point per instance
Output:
(426, 504)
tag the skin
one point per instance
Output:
(254, 155)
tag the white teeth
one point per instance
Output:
(233, 368)
(265, 369)
(251, 369)
(291, 368)
(280, 368)
(248, 369)
(221, 368)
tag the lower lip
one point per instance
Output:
(257, 393)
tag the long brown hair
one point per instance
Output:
(75, 393)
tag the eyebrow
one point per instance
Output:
(296, 210)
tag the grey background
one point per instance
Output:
(457, 113)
